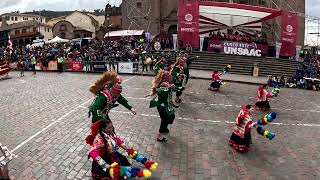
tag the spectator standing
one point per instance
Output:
(33, 63)
(60, 63)
(21, 66)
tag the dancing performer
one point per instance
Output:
(178, 75)
(107, 91)
(162, 88)
(160, 64)
(188, 62)
(108, 163)
(216, 81)
(240, 139)
(263, 97)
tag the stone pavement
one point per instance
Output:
(43, 118)
(235, 78)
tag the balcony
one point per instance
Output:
(22, 35)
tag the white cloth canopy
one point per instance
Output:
(122, 33)
(57, 40)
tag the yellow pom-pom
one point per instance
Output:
(229, 66)
(114, 164)
(111, 172)
(154, 166)
(265, 133)
(147, 173)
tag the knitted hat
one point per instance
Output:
(116, 90)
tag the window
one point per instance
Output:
(139, 4)
(24, 31)
(12, 18)
(40, 19)
(7, 18)
(17, 32)
(34, 29)
(16, 18)
(63, 27)
(48, 29)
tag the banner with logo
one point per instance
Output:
(238, 48)
(289, 31)
(76, 66)
(188, 23)
(100, 66)
(125, 67)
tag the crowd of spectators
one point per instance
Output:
(237, 37)
(306, 76)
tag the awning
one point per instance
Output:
(57, 40)
(122, 33)
(215, 16)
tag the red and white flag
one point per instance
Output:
(9, 46)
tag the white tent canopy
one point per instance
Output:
(57, 40)
(122, 33)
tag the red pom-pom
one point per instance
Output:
(148, 164)
(131, 151)
(89, 139)
(140, 173)
(116, 171)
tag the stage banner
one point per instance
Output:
(125, 67)
(76, 66)
(238, 48)
(188, 22)
(289, 31)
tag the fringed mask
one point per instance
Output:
(116, 90)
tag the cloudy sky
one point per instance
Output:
(56, 5)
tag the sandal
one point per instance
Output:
(162, 140)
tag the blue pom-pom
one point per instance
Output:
(144, 160)
(134, 172)
(272, 116)
(260, 130)
(139, 157)
(259, 122)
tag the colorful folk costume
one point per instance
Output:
(108, 163)
(188, 62)
(240, 139)
(178, 75)
(162, 89)
(107, 91)
(216, 81)
(263, 95)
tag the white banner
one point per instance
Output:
(125, 67)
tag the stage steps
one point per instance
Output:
(243, 65)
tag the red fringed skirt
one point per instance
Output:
(240, 144)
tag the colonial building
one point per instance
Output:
(112, 20)
(157, 16)
(76, 25)
(12, 18)
(25, 32)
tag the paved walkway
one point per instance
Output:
(44, 119)
(201, 74)
(236, 78)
